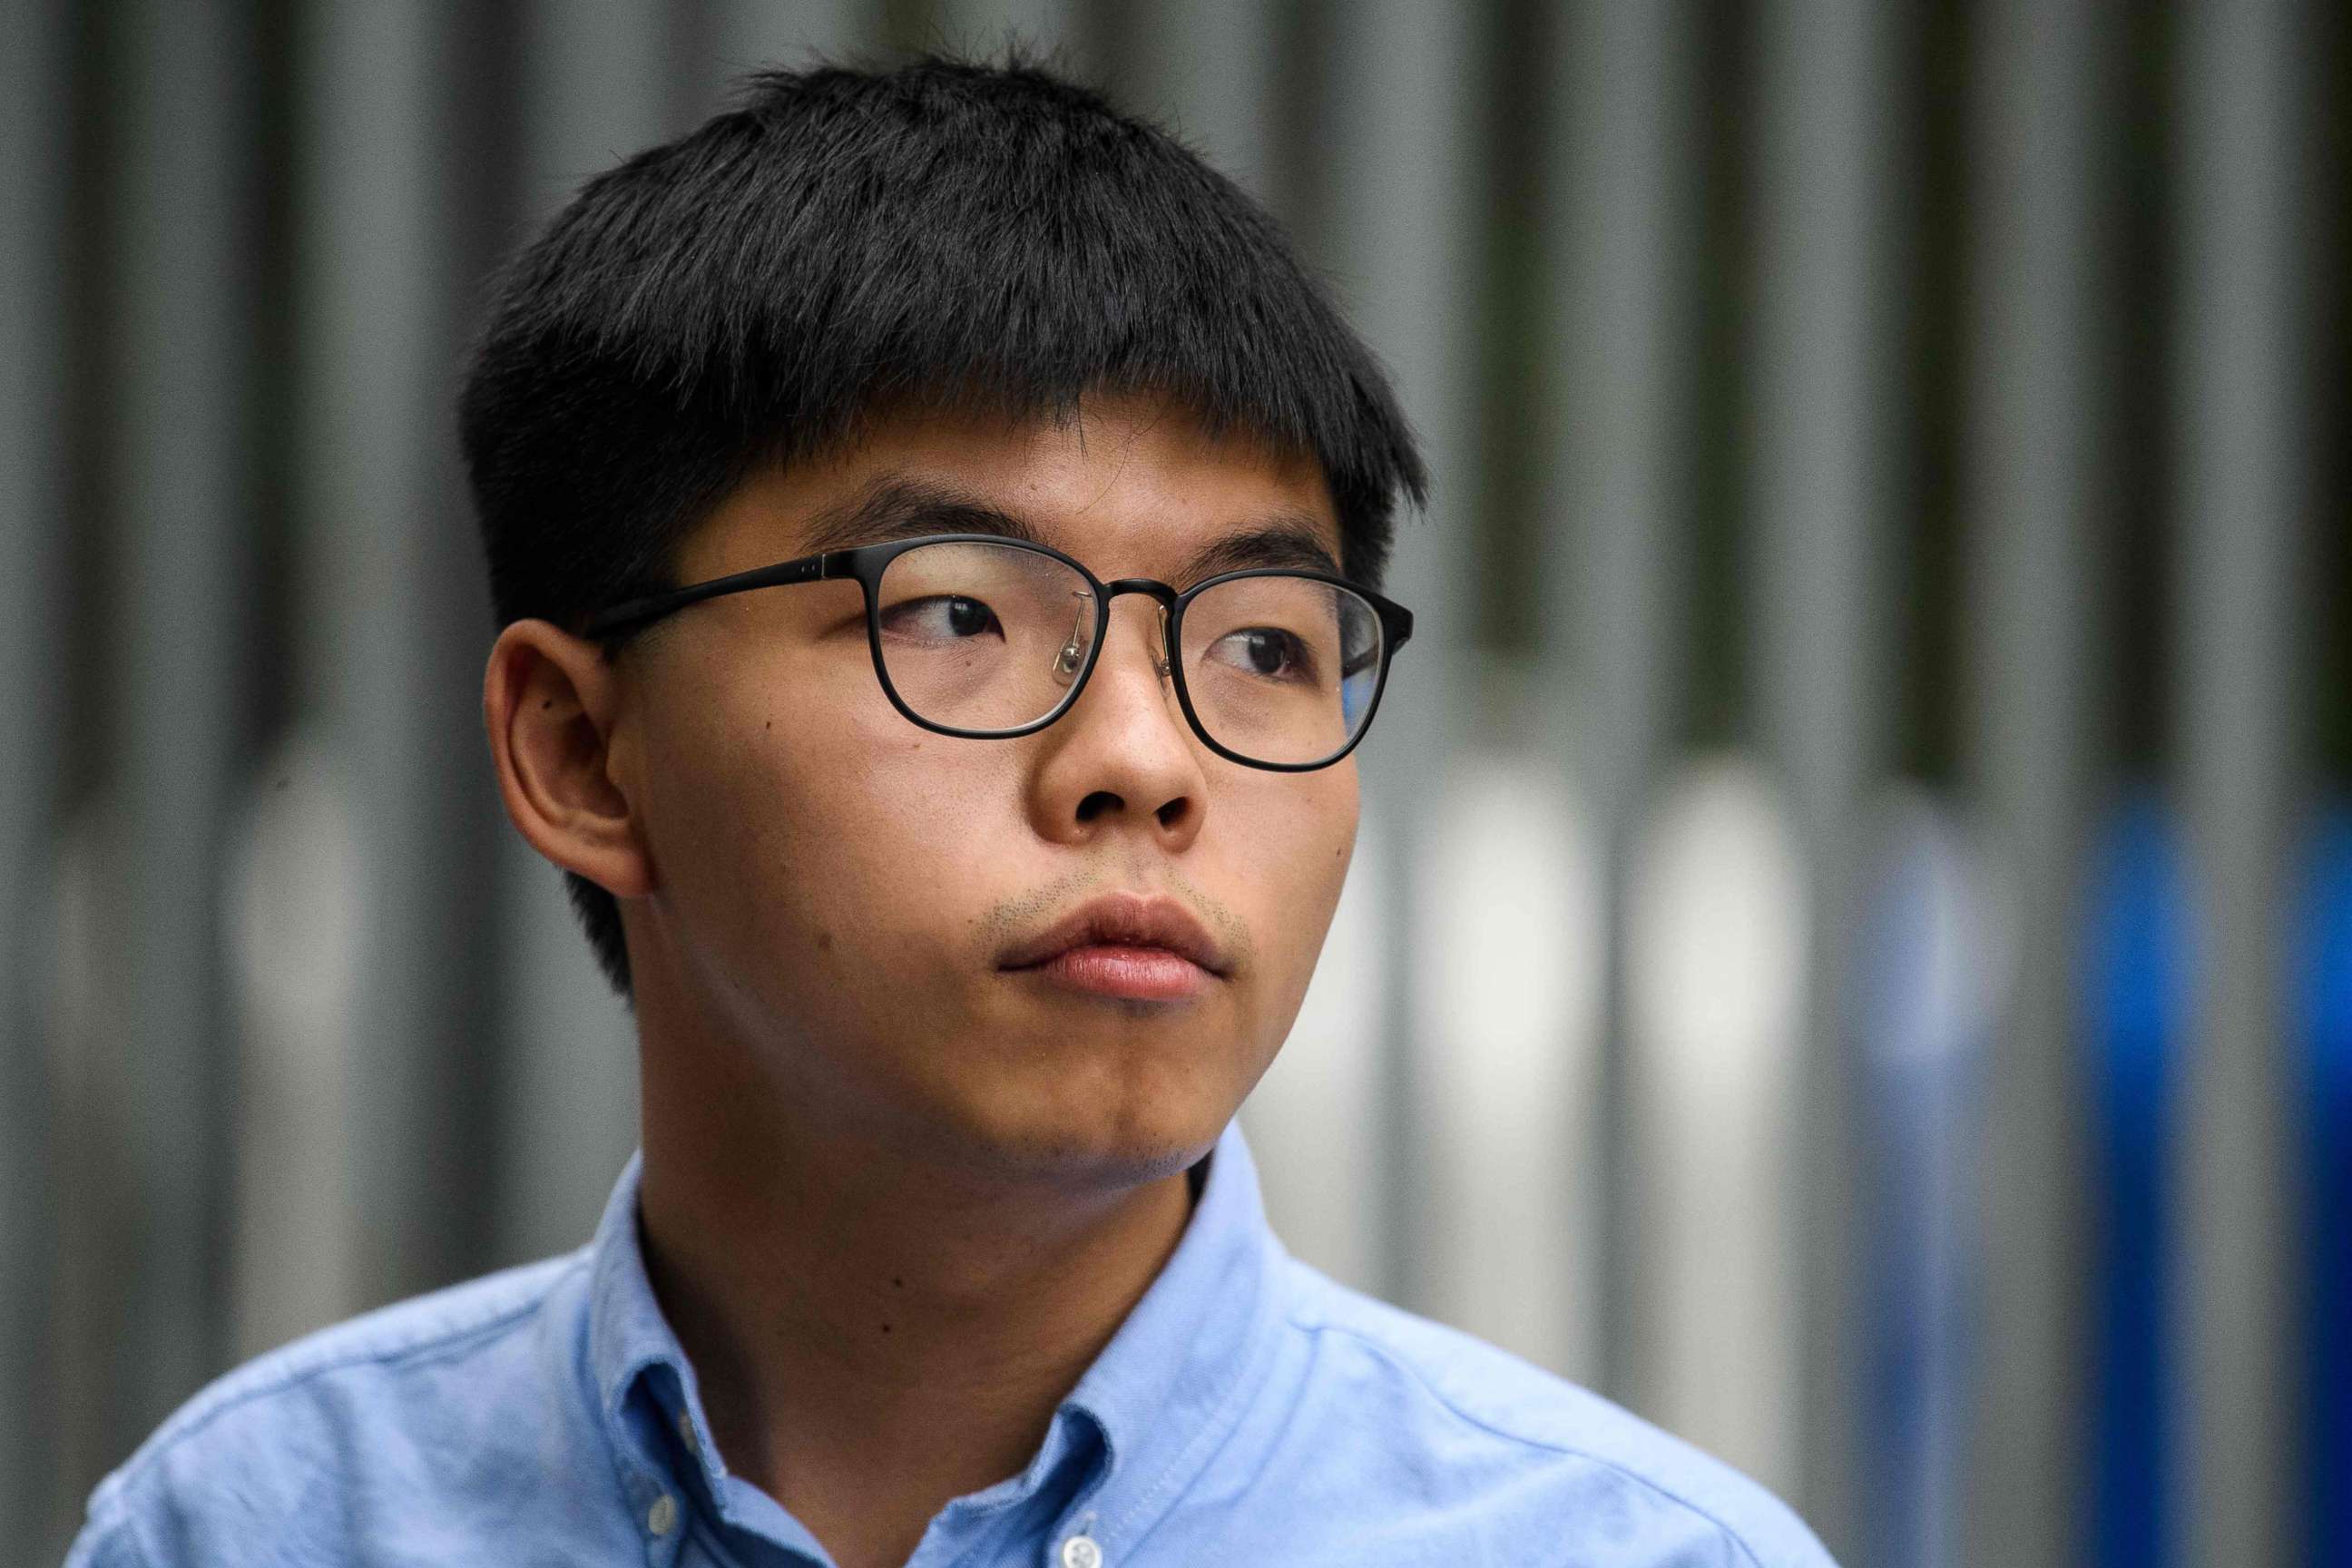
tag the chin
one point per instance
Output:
(1113, 1141)
(1104, 1166)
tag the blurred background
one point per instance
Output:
(1850, 948)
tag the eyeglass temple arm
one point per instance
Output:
(1399, 626)
(633, 612)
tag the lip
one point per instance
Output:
(1131, 973)
(1116, 930)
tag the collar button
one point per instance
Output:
(1080, 1552)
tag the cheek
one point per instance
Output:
(893, 827)
(798, 825)
(1300, 840)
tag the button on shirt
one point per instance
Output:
(1249, 1409)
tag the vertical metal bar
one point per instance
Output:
(1625, 152)
(1510, 976)
(1718, 942)
(1821, 427)
(1206, 68)
(980, 28)
(596, 90)
(393, 630)
(174, 730)
(2245, 455)
(1314, 1120)
(1397, 130)
(295, 963)
(752, 33)
(2034, 447)
(35, 103)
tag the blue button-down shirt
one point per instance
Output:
(1248, 1410)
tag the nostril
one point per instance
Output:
(1097, 803)
(1173, 814)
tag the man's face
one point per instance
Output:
(833, 888)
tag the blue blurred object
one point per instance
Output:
(1925, 986)
(2324, 959)
(2136, 963)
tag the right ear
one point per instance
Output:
(550, 702)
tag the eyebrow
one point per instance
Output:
(900, 507)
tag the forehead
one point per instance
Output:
(1133, 486)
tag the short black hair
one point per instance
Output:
(845, 238)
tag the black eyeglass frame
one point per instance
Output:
(865, 565)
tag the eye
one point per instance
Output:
(1267, 652)
(943, 617)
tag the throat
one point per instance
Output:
(869, 1373)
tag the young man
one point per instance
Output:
(937, 526)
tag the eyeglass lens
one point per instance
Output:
(989, 637)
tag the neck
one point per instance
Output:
(874, 1329)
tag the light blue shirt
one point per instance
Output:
(1249, 1410)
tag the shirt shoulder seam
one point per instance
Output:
(1650, 1483)
(450, 1342)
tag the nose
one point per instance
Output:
(1148, 637)
(1122, 755)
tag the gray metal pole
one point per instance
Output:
(35, 108)
(394, 629)
(749, 32)
(1398, 114)
(595, 90)
(981, 26)
(2245, 453)
(1208, 68)
(1624, 152)
(1821, 487)
(175, 617)
(2035, 450)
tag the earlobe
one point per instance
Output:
(550, 704)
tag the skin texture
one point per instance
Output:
(895, 1199)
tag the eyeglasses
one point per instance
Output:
(988, 638)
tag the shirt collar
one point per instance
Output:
(1159, 1397)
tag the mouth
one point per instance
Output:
(1125, 945)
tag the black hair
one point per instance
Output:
(847, 238)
